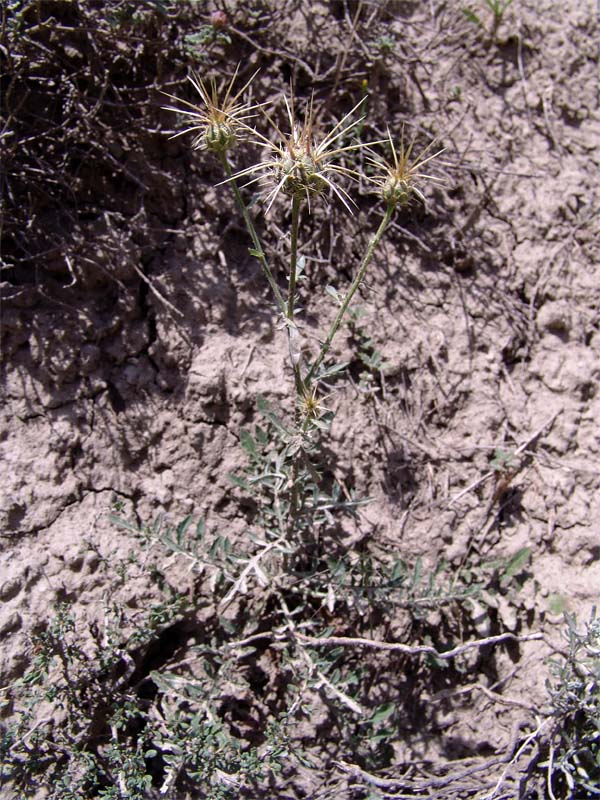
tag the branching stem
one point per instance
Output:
(350, 294)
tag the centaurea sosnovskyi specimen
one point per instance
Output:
(221, 119)
(300, 164)
(398, 180)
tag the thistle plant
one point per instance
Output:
(299, 164)
(221, 118)
(398, 180)
(303, 166)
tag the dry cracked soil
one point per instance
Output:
(137, 342)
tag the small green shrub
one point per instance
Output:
(573, 767)
(89, 725)
(498, 9)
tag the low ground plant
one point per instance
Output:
(112, 710)
(573, 766)
(498, 9)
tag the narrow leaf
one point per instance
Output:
(517, 562)
(237, 481)
(382, 713)
(472, 17)
(248, 443)
(333, 292)
(123, 523)
(334, 369)
(182, 528)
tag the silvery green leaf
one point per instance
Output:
(333, 292)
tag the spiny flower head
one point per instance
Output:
(311, 405)
(221, 119)
(300, 164)
(398, 180)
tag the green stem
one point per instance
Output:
(351, 292)
(291, 299)
(293, 334)
(296, 200)
(258, 249)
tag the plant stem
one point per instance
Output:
(293, 340)
(351, 292)
(296, 200)
(292, 330)
(258, 249)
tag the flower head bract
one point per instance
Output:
(302, 164)
(310, 404)
(398, 180)
(222, 117)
